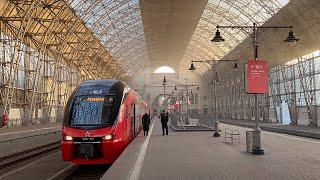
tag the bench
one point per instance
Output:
(233, 135)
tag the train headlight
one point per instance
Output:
(68, 138)
(107, 137)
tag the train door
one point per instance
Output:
(137, 123)
(133, 120)
(128, 121)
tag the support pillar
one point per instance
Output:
(45, 115)
(26, 118)
(312, 113)
(59, 114)
(293, 115)
(2, 112)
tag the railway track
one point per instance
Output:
(71, 172)
(20, 157)
(80, 172)
(88, 172)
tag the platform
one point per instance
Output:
(300, 130)
(197, 155)
(26, 137)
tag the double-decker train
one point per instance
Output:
(100, 120)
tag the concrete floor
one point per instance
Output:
(197, 155)
(41, 168)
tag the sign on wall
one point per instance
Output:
(257, 77)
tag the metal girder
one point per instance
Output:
(60, 27)
(274, 85)
(38, 46)
(306, 70)
(288, 80)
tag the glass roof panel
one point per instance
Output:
(227, 12)
(118, 24)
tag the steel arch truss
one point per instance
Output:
(46, 50)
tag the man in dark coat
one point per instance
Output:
(164, 120)
(145, 124)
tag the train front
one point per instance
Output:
(90, 118)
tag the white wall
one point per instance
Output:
(303, 116)
(15, 113)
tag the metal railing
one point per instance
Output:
(182, 119)
(19, 122)
(204, 120)
(175, 118)
(233, 135)
(14, 122)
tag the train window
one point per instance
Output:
(93, 110)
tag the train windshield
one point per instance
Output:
(93, 110)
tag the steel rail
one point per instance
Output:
(20, 157)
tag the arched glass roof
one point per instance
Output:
(118, 24)
(107, 38)
(226, 12)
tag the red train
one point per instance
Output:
(100, 120)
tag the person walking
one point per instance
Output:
(145, 124)
(164, 122)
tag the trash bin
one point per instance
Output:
(249, 140)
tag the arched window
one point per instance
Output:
(164, 69)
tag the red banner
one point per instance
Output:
(257, 77)
(176, 105)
